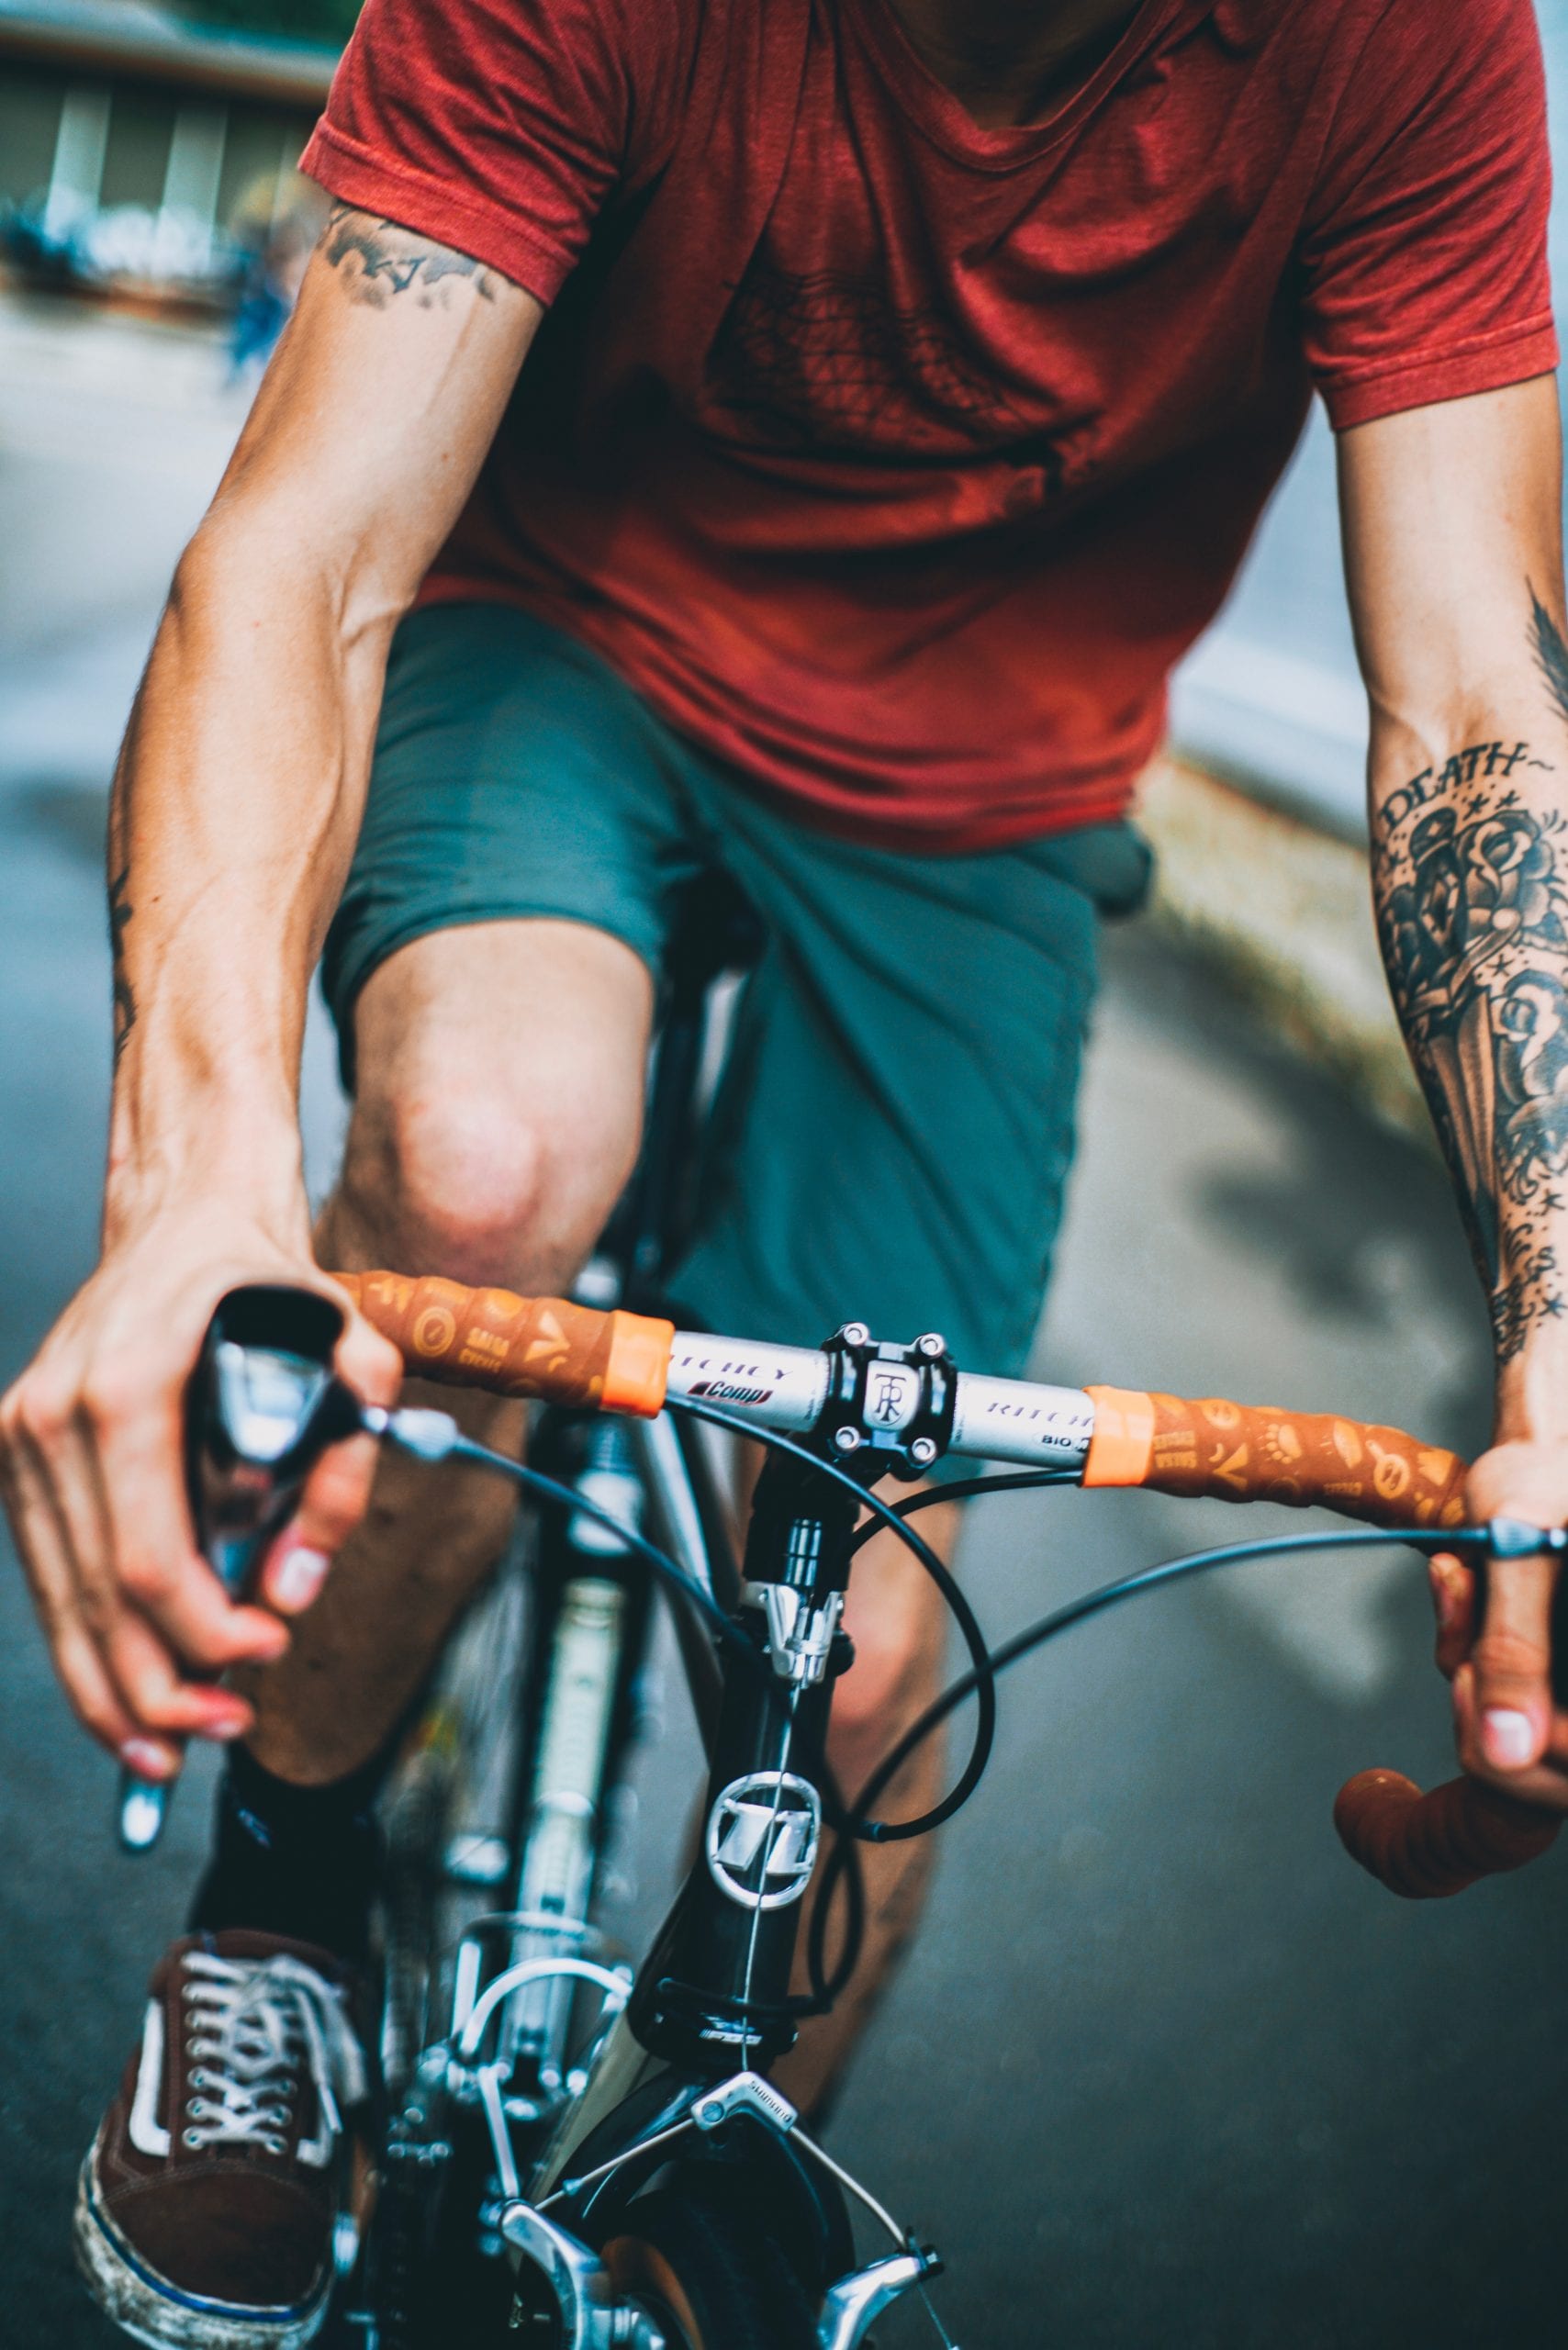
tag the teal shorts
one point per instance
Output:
(895, 1123)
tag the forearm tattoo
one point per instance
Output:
(1470, 882)
(120, 912)
(379, 261)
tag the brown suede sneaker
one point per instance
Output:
(207, 2205)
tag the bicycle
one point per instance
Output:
(586, 2152)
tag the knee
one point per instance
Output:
(896, 1673)
(459, 1182)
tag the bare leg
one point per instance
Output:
(501, 1086)
(500, 1071)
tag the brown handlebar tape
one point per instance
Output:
(1241, 1452)
(1425, 1847)
(518, 1346)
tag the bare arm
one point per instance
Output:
(243, 779)
(1452, 518)
(236, 805)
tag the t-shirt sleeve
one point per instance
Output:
(1424, 262)
(497, 126)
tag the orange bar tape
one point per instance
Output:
(1120, 1450)
(638, 1370)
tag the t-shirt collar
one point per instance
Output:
(944, 119)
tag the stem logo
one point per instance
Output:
(762, 1838)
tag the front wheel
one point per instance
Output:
(710, 2274)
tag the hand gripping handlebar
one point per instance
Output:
(1422, 1846)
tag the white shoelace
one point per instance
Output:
(250, 2026)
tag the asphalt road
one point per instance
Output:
(1164, 2067)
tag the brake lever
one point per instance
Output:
(263, 1404)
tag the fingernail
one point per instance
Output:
(1508, 1736)
(148, 1761)
(297, 1577)
(224, 1726)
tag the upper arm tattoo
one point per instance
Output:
(1470, 881)
(379, 261)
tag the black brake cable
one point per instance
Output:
(851, 1822)
(845, 1861)
(982, 1678)
(826, 1990)
(1062, 1619)
(891, 1514)
(966, 1489)
(534, 1480)
(1110, 1594)
(835, 1811)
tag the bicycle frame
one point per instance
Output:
(682, 2046)
(679, 2058)
(687, 2041)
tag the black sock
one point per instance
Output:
(303, 1861)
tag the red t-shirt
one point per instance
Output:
(896, 461)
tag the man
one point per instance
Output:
(909, 378)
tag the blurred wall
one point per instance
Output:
(136, 150)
